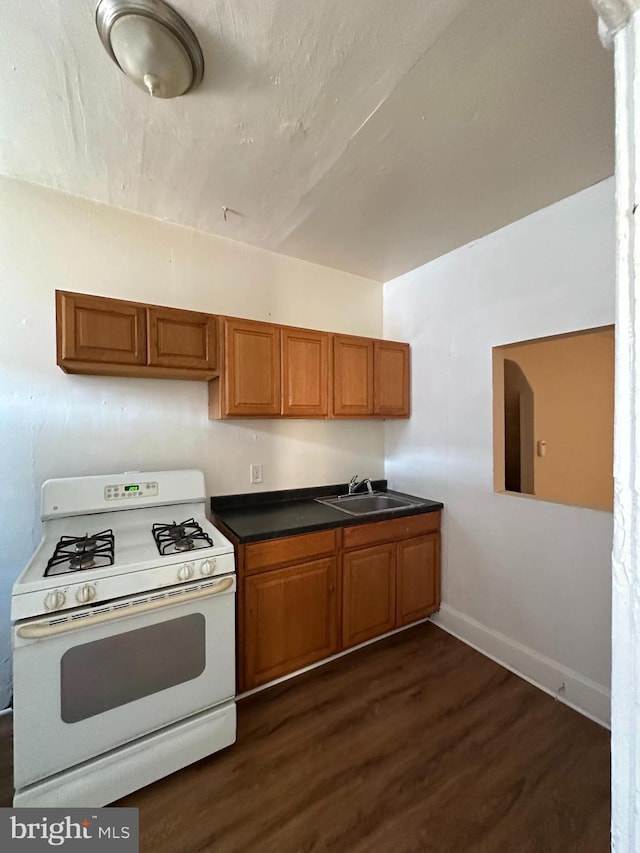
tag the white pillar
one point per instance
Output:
(620, 27)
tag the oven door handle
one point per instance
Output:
(40, 631)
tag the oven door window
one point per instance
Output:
(104, 674)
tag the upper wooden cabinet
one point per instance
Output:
(305, 373)
(352, 371)
(250, 381)
(392, 380)
(179, 338)
(265, 370)
(98, 330)
(113, 337)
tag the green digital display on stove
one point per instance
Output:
(132, 488)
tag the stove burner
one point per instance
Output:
(87, 544)
(81, 561)
(75, 553)
(177, 532)
(176, 538)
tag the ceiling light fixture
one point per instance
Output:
(152, 44)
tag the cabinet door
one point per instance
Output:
(179, 338)
(251, 368)
(418, 578)
(391, 379)
(305, 370)
(368, 593)
(96, 329)
(352, 377)
(290, 620)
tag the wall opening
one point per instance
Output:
(553, 418)
(518, 430)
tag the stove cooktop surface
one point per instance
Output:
(133, 541)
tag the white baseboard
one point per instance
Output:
(580, 693)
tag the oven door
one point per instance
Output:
(94, 679)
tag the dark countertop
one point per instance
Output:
(269, 515)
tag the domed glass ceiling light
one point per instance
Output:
(152, 44)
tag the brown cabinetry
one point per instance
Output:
(391, 573)
(178, 338)
(303, 598)
(113, 337)
(305, 373)
(417, 578)
(287, 605)
(368, 593)
(392, 380)
(352, 374)
(250, 382)
(99, 331)
(290, 617)
(264, 370)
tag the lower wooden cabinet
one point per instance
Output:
(368, 593)
(417, 578)
(290, 619)
(303, 598)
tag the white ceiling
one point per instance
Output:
(365, 135)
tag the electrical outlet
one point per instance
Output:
(255, 474)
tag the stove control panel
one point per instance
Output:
(130, 491)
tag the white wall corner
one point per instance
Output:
(625, 685)
(580, 693)
(613, 15)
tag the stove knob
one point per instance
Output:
(55, 600)
(86, 594)
(185, 572)
(207, 568)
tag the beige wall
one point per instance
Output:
(54, 425)
(572, 378)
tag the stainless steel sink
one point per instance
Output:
(376, 502)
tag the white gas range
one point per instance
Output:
(124, 638)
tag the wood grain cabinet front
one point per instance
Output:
(392, 379)
(249, 385)
(368, 593)
(290, 618)
(178, 338)
(302, 598)
(259, 370)
(305, 373)
(99, 331)
(417, 578)
(352, 377)
(391, 575)
(112, 337)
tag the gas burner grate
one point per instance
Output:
(176, 538)
(77, 553)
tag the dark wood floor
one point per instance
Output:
(417, 743)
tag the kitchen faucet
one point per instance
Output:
(354, 485)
